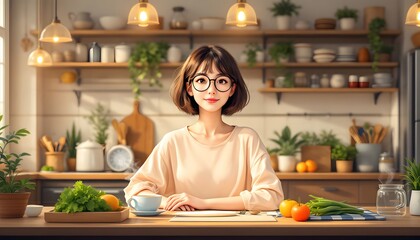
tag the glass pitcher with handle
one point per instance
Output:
(391, 200)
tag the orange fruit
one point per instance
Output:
(112, 201)
(301, 167)
(311, 165)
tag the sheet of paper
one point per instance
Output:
(238, 218)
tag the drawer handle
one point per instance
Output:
(330, 189)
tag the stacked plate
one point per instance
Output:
(325, 23)
(382, 80)
(324, 55)
(346, 54)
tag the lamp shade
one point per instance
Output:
(143, 14)
(413, 15)
(39, 57)
(241, 14)
(55, 33)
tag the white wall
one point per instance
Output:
(45, 106)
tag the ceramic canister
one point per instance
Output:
(107, 54)
(122, 53)
(81, 52)
(174, 54)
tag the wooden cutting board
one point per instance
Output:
(140, 134)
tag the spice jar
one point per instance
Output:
(122, 53)
(314, 81)
(178, 20)
(386, 163)
(325, 81)
(300, 80)
(353, 81)
(363, 82)
(107, 54)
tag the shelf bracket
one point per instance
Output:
(78, 94)
(79, 79)
(278, 97)
(376, 96)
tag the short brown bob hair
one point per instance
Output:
(209, 56)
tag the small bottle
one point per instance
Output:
(314, 81)
(94, 53)
(386, 163)
(325, 81)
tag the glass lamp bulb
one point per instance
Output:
(241, 18)
(143, 17)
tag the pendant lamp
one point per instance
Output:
(55, 32)
(143, 14)
(39, 57)
(241, 14)
(413, 15)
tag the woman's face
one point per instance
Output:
(210, 89)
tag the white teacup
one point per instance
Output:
(145, 202)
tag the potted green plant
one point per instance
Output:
(347, 18)
(252, 54)
(143, 65)
(375, 40)
(287, 147)
(283, 11)
(385, 53)
(344, 157)
(99, 119)
(73, 139)
(412, 176)
(13, 198)
(281, 52)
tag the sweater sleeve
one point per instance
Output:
(266, 192)
(154, 175)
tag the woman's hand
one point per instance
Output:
(184, 202)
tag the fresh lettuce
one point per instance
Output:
(81, 198)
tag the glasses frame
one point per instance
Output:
(191, 81)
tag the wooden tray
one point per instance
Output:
(98, 217)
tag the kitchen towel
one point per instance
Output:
(366, 216)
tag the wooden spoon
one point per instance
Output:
(123, 132)
(62, 143)
(377, 129)
(355, 135)
(116, 126)
(43, 145)
(48, 142)
(383, 134)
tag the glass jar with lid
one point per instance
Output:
(386, 163)
(301, 80)
(391, 200)
(178, 20)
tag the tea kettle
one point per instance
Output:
(90, 157)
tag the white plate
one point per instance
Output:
(147, 213)
(207, 214)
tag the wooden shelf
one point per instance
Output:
(228, 32)
(376, 91)
(242, 65)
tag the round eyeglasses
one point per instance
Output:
(202, 82)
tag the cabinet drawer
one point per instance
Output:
(367, 192)
(336, 190)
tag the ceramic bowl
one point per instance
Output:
(324, 58)
(33, 210)
(83, 25)
(112, 22)
(212, 23)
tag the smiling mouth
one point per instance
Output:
(211, 100)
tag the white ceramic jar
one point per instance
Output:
(174, 54)
(337, 81)
(90, 157)
(122, 53)
(107, 54)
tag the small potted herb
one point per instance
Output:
(252, 54)
(344, 157)
(99, 119)
(412, 176)
(287, 147)
(385, 53)
(13, 198)
(73, 138)
(281, 52)
(347, 18)
(283, 11)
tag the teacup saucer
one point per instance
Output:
(147, 213)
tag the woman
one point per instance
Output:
(210, 164)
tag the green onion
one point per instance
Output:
(321, 206)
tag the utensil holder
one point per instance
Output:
(367, 158)
(55, 160)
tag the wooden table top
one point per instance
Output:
(160, 226)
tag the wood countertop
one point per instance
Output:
(160, 226)
(280, 175)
